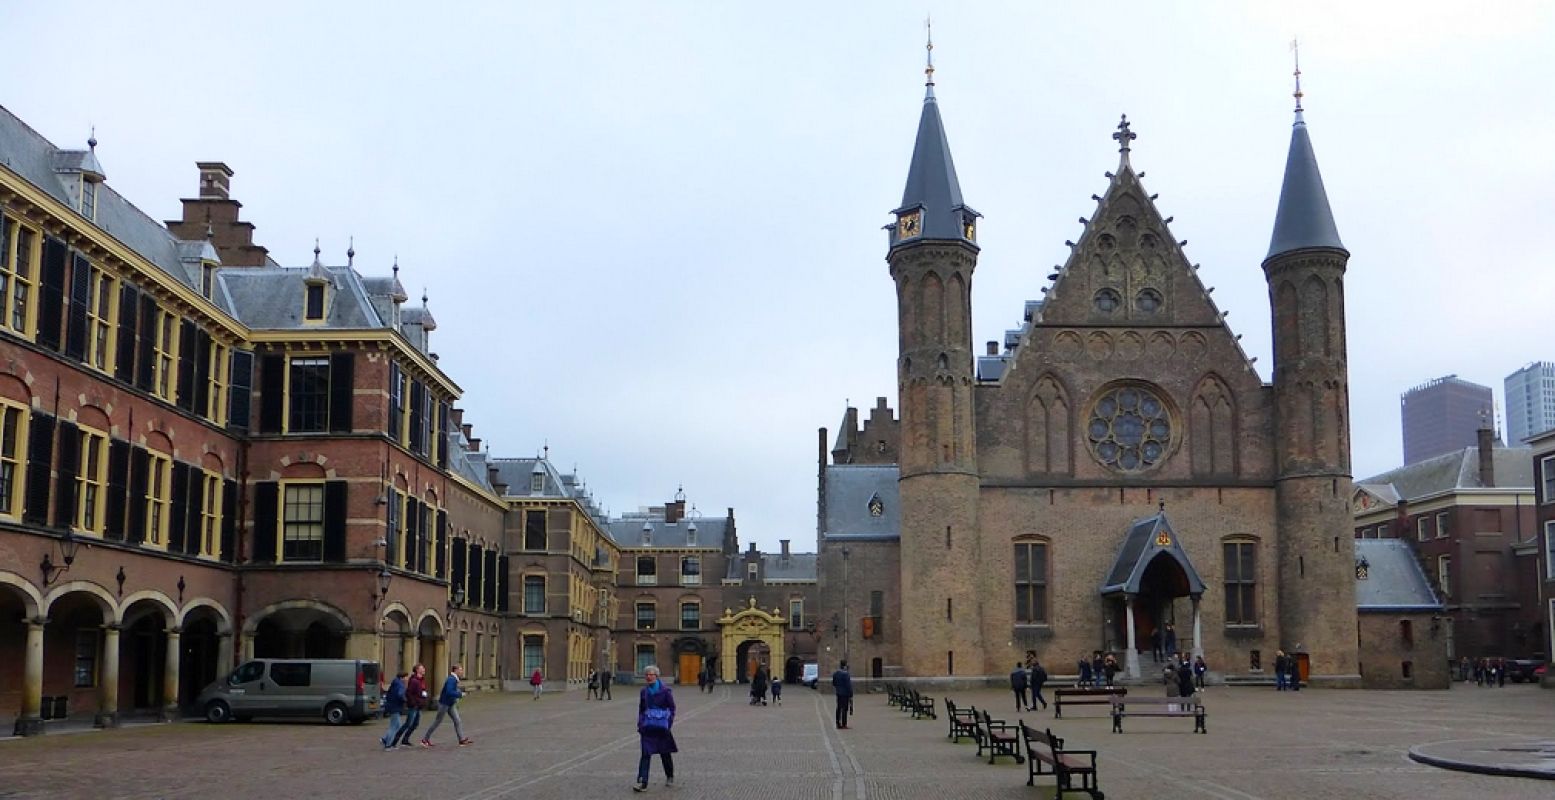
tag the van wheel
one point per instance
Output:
(335, 714)
(217, 712)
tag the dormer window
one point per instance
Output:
(313, 308)
(537, 483)
(691, 535)
(207, 279)
(88, 198)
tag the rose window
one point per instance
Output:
(1130, 429)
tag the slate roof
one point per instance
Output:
(1394, 580)
(271, 298)
(931, 179)
(554, 484)
(849, 488)
(39, 162)
(774, 567)
(627, 531)
(1451, 471)
(1140, 547)
(1304, 219)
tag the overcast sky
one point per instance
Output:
(651, 231)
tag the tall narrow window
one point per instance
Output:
(690, 570)
(220, 376)
(534, 530)
(210, 516)
(534, 654)
(1444, 574)
(796, 612)
(396, 422)
(166, 353)
(647, 571)
(104, 293)
(309, 392)
(646, 616)
(315, 304)
(690, 616)
(88, 198)
(1443, 524)
(89, 481)
(534, 594)
(302, 529)
(159, 480)
(12, 429)
(86, 658)
(1549, 530)
(1241, 571)
(876, 612)
(1031, 598)
(18, 256)
(645, 656)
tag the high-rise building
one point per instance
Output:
(1442, 415)
(1530, 401)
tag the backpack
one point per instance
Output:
(1038, 674)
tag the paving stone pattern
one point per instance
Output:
(1261, 744)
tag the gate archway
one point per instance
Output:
(751, 627)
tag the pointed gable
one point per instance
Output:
(1146, 539)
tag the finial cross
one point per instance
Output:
(1124, 135)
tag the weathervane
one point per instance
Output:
(928, 70)
(1295, 52)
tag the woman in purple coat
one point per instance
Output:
(655, 717)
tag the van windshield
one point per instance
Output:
(252, 671)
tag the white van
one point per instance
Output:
(339, 690)
(811, 675)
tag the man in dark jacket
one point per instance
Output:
(415, 701)
(393, 704)
(1018, 684)
(605, 676)
(1038, 678)
(842, 686)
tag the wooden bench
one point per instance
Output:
(1084, 697)
(1042, 747)
(921, 705)
(998, 737)
(1158, 707)
(963, 721)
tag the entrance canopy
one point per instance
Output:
(1146, 539)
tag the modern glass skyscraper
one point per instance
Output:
(1443, 415)
(1530, 401)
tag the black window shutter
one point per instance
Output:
(241, 396)
(335, 521)
(194, 539)
(418, 439)
(412, 534)
(178, 525)
(442, 435)
(341, 391)
(229, 521)
(75, 323)
(396, 400)
(129, 306)
(476, 565)
(458, 556)
(65, 474)
(439, 559)
(202, 374)
(51, 293)
(40, 462)
(491, 580)
(424, 537)
(140, 469)
(146, 357)
(502, 583)
(186, 353)
(272, 383)
(267, 501)
(118, 486)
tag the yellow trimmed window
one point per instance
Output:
(219, 366)
(302, 523)
(158, 487)
(100, 316)
(19, 255)
(210, 516)
(13, 435)
(89, 481)
(167, 354)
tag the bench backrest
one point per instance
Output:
(1138, 700)
(1042, 738)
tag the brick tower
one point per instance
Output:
(932, 254)
(1316, 553)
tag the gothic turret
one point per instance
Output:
(932, 208)
(1305, 271)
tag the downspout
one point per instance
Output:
(240, 527)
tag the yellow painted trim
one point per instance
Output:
(34, 259)
(156, 535)
(280, 518)
(210, 515)
(382, 336)
(100, 481)
(18, 472)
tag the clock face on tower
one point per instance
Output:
(909, 224)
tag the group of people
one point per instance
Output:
(1483, 671)
(706, 680)
(1287, 672)
(408, 695)
(1098, 670)
(1028, 674)
(1183, 676)
(761, 682)
(599, 684)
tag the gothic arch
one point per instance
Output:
(1286, 313)
(1314, 317)
(1212, 427)
(932, 325)
(1048, 428)
(956, 298)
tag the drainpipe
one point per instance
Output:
(240, 527)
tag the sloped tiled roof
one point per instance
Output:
(1141, 545)
(1394, 580)
(849, 489)
(1449, 471)
(271, 298)
(627, 531)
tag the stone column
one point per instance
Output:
(1198, 629)
(30, 721)
(223, 655)
(248, 647)
(407, 651)
(170, 674)
(108, 680)
(1131, 653)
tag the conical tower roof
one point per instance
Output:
(1303, 219)
(931, 179)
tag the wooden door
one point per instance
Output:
(690, 665)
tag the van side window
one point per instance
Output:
(252, 671)
(291, 674)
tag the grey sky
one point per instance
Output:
(651, 232)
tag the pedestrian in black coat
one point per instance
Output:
(1018, 684)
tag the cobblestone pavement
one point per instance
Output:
(1261, 744)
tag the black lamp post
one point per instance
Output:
(67, 551)
(385, 577)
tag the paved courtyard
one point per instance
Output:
(1261, 744)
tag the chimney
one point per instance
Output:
(752, 550)
(475, 445)
(784, 543)
(993, 348)
(494, 476)
(215, 179)
(466, 428)
(458, 416)
(1487, 461)
(674, 511)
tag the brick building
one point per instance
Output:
(1543, 557)
(1404, 636)
(995, 516)
(1469, 517)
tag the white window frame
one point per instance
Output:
(1420, 521)
(1549, 552)
(687, 579)
(1444, 574)
(1442, 516)
(1547, 473)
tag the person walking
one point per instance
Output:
(415, 702)
(1293, 679)
(1501, 673)
(1199, 668)
(1280, 670)
(777, 691)
(1018, 680)
(605, 677)
(842, 686)
(537, 681)
(447, 706)
(759, 686)
(1184, 678)
(393, 707)
(1038, 678)
(655, 718)
(1084, 681)
(594, 685)
(1169, 640)
(1155, 644)
(701, 680)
